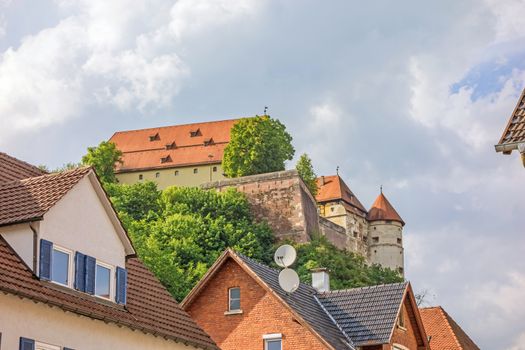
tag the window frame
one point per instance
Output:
(157, 174)
(112, 277)
(70, 271)
(195, 170)
(269, 338)
(230, 299)
(176, 173)
(45, 346)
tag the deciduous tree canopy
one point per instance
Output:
(306, 172)
(103, 158)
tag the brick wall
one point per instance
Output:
(280, 198)
(410, 337)
(262, 314)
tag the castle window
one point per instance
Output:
(195, 133)
(141, 176)
(234, 299)
(332, 209)
(214, 169)
(166, 159)
(195, 171)
(171, 145)
(155, 137)
(209, 142)
(375, 239)
(176, 173)
(157, 175)
(399, 241)
(355, 234)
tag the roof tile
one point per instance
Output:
(334, 188)
(445, 332)
(15, 169)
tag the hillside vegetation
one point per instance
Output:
(180, 232)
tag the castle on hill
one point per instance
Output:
(191, 155)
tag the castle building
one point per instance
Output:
(376, 234)
(180, 155)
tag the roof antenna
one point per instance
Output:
(381, 189)
(337, 170)
(265, 110)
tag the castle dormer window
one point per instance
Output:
(209, 142)
(171, 145)
(195, 133)
(155, 137)
(166, 159)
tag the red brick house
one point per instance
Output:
(251, 312)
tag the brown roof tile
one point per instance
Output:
(383, 210)
(29, 199)
(514, 132)
(15, 169)
(143, 149)
(150, 308)
(445, 332)
(332, 188)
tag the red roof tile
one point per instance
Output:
(143, 149)
(333, 188)
(383, 210)
(445, 332)
(15, 169)
(514, 132)
(29, 199)
(150, 308)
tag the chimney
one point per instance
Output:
(322, 180)
(321, 280)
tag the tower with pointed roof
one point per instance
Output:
(385, 235)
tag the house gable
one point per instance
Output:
(262, 313)
(410, 332)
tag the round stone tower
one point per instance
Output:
(385, 235)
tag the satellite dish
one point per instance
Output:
(289, 280)
(285, 255)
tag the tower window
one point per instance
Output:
(195, 170)
(332, 209)
(399, 241)
(176, 173)
(157, 174)
(375, 239)
(355, 234)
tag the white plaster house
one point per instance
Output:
(69, 276)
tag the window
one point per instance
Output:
(234, 299)
(375, 239)
(60, 266)
(103, 280)
(399, 241)
(141, 176)
(166, 159)
(176, 173)
(332, 209)
(401, 318)
(214, 169)
(171, 145)
(273, 341)
(157, 175)
(155, 137)
(195, 170)
(209, 142)
(195, 133)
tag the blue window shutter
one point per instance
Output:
(46, 253)
(91, 264)
(68, 349)
(122, 285)
(80, 272)
(27, 344)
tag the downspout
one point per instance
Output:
(35, 248)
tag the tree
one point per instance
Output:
(180, 232)
(257, 145)
(103, 158)
(347, 270)
(306, 172)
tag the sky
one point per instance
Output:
(411, 95)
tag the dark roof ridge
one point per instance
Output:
(364, 287)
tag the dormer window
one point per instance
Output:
(61, 266)
(103, 280)
(155, 137)
(195, 133)
(166, 159)
(209, 142)
(171, 145)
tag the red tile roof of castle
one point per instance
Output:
(383, 210)
(445, 332)
(15, 169)
(333, 188)
(514, 132)
(188, 144)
